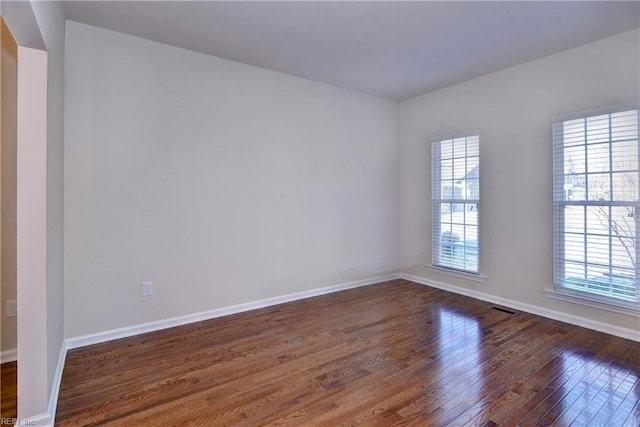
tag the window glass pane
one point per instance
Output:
(597, 249)
(471, 235)
(471, 213)
(446, 170)
(625, 186)
(459, 147)
(598, 157)
(624, 125)
(459, 170)
(473, 190)
(473, 147)
(623, 254)
(598, 129)
(596, 274)
(470, 257)
(598, 280)
(574, 132)
(445, 210)
(623, 283)
(574, 219)
(574, 247)
(451, 190)
(446, 149)
(599, 186)
(574, 270)
(473, 164)
(574, 162)
(445, 228)
(457, 231)
(598, 220)
(625, 155)
(457, 215)
(624, 234)
(448, 243)
(574, 187)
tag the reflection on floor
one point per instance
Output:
(386, 354)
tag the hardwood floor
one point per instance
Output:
(396, 353)
(8, 391)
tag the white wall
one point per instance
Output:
(38, 26)
(225, 183)
(31, 232)
(8, 289)
(220, 182)
(513, 111)
(51, 22)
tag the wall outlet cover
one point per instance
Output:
(12, 308)
(147, 289)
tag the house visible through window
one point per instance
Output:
(456, 202)
(597, 205)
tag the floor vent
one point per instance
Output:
(504, 310)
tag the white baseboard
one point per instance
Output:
(540, 311)
(48, 419)
(100, 337)
(9, 355)
(57, 381)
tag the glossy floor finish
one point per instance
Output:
(8, 391)
(396, 353)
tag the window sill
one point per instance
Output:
(457, 273)
(588, 301)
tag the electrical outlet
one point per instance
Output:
(12, 308)
(147, 289)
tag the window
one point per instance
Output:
(456, 201)
(597, 205)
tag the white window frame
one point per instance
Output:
(437, 200)
(563, 290)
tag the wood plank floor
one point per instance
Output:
(395, 353)
(8, 392)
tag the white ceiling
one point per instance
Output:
(392, 49)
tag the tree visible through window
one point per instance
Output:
(597, 204)
(456, 202)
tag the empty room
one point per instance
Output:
(329, 213)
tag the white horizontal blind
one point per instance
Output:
(597, 204)
(455, 197)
